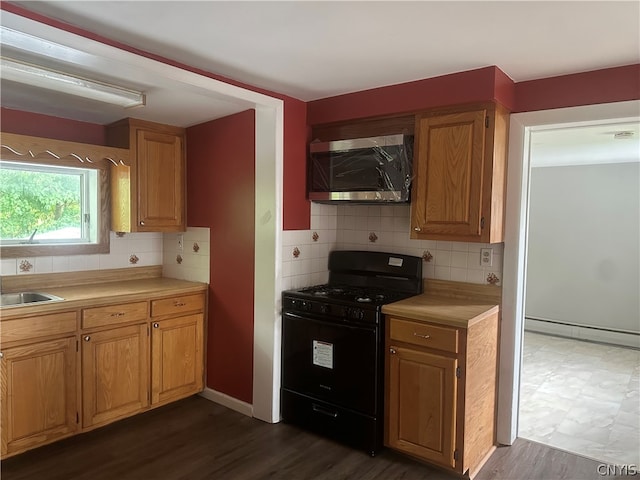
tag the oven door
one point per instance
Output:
(333, 362)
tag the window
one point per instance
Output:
(43, 204)
(54, 196)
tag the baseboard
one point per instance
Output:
(582, 333)
(228, 401)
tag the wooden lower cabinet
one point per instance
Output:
(64, 373)
(176, 358)
(115, 378)
(422, 404)
(39, 394)
(441, 391)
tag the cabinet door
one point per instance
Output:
(422, 404)
(177, 360)
(115, 381)
(161, 167)
(39, 394)
(449, 185)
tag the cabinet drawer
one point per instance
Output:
(424, 335)
(177, 305)
(40, 326)
(114, 314)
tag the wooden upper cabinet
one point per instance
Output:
(149, 195)
(460, 165)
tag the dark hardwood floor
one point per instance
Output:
(197, 439)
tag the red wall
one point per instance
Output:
(490, 83)
(297, 209)
(37, 125)
(589, 88)
(471, 86)
(220, 195)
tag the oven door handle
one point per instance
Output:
(323, 411)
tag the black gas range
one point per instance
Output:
(342, 301)
(333, 345)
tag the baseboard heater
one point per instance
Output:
(583, 332)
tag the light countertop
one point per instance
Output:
(94, 294)
(454, 312)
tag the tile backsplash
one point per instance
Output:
(129, 250)
(379, 228)
(186, 255)
(305, 253)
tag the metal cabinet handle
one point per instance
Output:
(392, 351)
(179, 304)
(1, 355)
(118, 314)
(156, 325)
(417, 229)
(87, 338)
(141, 223)
(421, 336)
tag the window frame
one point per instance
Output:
(51, 152)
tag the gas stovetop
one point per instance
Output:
(360, 282)
(352, 294)
(331, 302)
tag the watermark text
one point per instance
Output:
(620, 470)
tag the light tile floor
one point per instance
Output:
(581, 397)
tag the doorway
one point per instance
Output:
(514, 282)
(579, 380)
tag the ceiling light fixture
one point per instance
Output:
(38, 76)
(623, 135)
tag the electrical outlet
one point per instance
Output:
(486, 257)
(180, 243)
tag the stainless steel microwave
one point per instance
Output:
(361, 170)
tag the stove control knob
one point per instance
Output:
(305, 306)
(325, 309)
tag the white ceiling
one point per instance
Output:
(586, 145)
(312, 50)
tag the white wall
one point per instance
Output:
(584, 240)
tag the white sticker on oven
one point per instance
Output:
(395, 262)
(323, 354)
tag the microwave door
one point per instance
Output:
(355, 171)
(368, 173)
